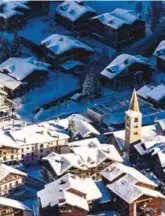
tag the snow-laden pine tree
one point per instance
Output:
(5, 50)
(155, 13)
(16, 45)
(72, 131)
(91, 86)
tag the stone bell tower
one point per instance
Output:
(133, 122)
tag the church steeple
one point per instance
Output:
(134, 104)
(133, 121)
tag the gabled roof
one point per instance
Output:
(13, 204)
(60, 44)
(20, 68)
(109, 20)
(117, 170)
(57, 193)
(73, 11)
(9, 82)
(6, 170)
(130, 192)
(160, 50)
(67, 182)
(128, 16)
(117, 18)
(83, 158)
(120, 63)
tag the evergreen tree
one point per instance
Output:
(139, 6)
(91, 86)
(5, 50)
(16, 45)
(155, 13)
(72, 131)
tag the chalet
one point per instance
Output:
(83, 129)
(20, 74)
(159, 54)
(118, 27)
(31, 143)
(132, 192)
(12, 207)
(153, 94)
(14, 13)
(82, 194)
(75, 16)
(58, 49)
(86, 161)
(126, 67)
(11, 182)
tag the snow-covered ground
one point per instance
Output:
(58, 84)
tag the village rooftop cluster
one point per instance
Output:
(82, 120)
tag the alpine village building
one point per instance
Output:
(31, 143)
(118, 28)
(11, 207)
(132, 192)
(72, 196)
(84, 161)
(125, 67)
(75, 16)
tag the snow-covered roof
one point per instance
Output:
(110, 20)
(128, 16)
(85, 142)
(9, 14)
(73, 11)
(162, 124)
(150, 133)
(57, 193)
(116, 170)
(84, 128)
(31, 134)
(20, 68)
(13, 204)
(9, 82)
(66, 183)
(160, 50)
(60, 44)
(157, 93)
(120, 63)
(118, 18)
(129, 191)
(71, 64)
(11, 8)
(144, 91)
(37, 133)
(6, 170)
(83, 158)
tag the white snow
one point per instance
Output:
(73, 11)
(83, 158)
(160, 50)
(116, 170)
(9, 82)
(119, 64)
(6, 170)
(157, 93)
(60, 44)
(20, 68)
(14, 204)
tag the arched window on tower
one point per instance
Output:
(136, 120)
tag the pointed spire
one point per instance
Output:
(134, 104)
